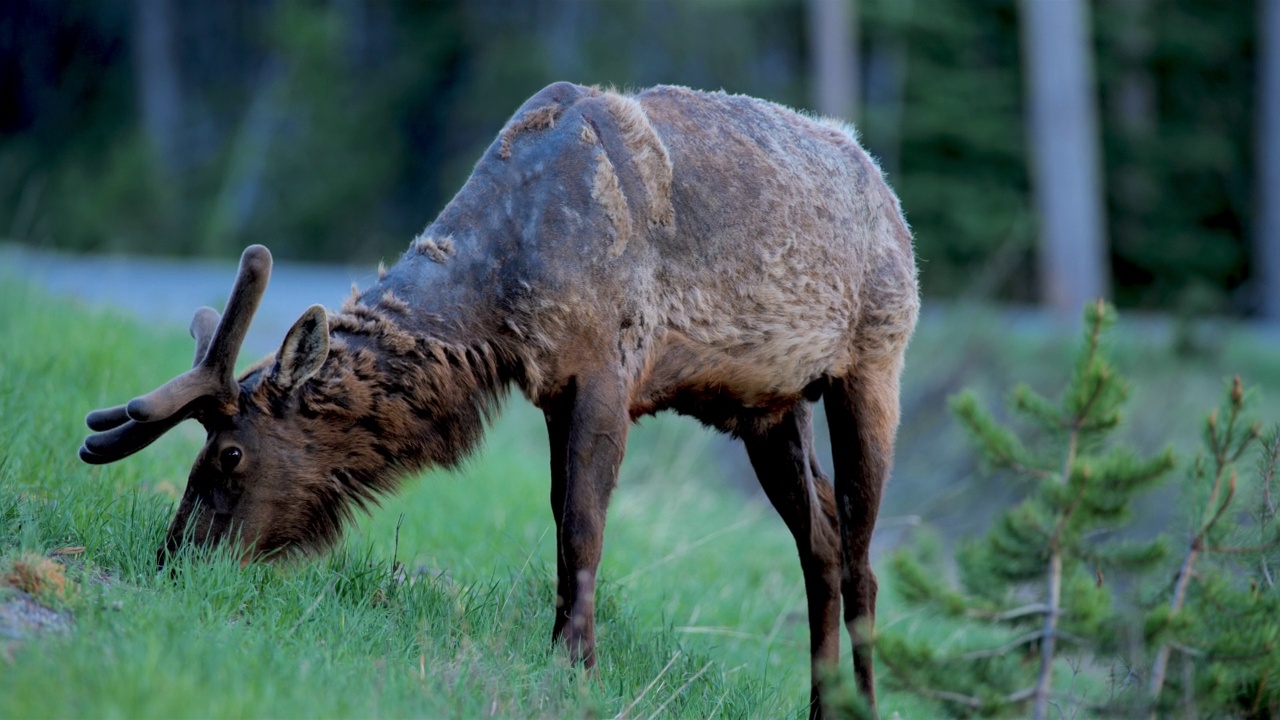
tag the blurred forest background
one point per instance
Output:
(336, 130)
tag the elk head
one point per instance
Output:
(249, 482)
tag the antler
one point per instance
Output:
(125, 429)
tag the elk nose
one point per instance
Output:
(166, 553)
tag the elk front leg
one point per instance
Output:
(587, 428)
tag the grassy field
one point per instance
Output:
(439, 604)
(701, 610)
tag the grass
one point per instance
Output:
(439, 603)
(701, 608)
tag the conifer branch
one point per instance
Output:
(1066, 514)
(1222, 507)
(1078, 422)
(1091, 355)
(957, 698)
(1013, 614)
(1017, 642)
(1223, 609)
(1262, 687)
(1267, 513)
(1035, 472)
(1047, 647)
(1000, 446)
(1019, 696)
(1025, 639)
(1245, 550)
(1095, 331)
(908, 679)
(1161, 664)
(970, 701)
(1266, 651)
(1219, 454)
(1271, 455)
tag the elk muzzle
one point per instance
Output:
(197, 523)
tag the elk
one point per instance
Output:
(613, 256)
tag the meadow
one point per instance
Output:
(438, 604)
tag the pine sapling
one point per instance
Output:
(1220, 614)
(1046, 549)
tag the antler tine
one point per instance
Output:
(251, 283)
(126, 438)
(126, 429)
(107, 418)
(202, 327)
(212, 375)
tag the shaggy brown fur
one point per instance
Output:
(612, 256)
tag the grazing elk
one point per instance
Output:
(612, 255)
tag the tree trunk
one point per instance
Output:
(156, 74)
(1063, 137)
(1267, 242)
(884, 90)
(1135, 193)
(833, 56)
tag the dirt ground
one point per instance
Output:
(22, 618)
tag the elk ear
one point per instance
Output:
(303, 351)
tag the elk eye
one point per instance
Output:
(229, 458)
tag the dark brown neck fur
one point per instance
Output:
(387, 403)
(427, 400)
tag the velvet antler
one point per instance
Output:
(210, 384)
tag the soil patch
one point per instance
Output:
(21, 616)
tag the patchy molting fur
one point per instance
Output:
(761, 310)
(730, 311)
(723, 310)
(438, 249)
(647, 153)
(536, 119)
(606, 191)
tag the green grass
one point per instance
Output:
(695, 574)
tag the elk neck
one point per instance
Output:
(407, 397)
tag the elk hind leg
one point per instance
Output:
(862, 414)
(786, 466)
